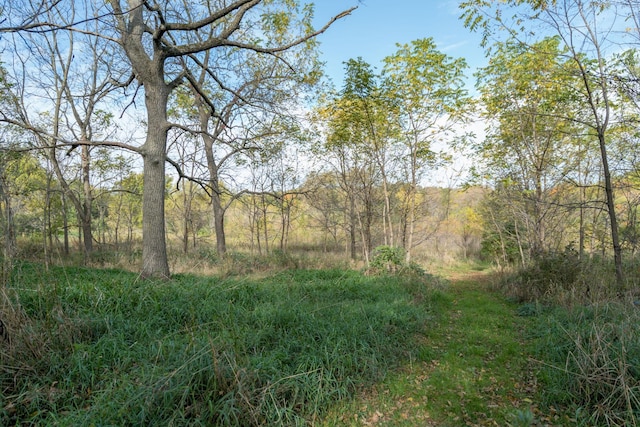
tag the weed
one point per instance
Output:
(530, 309)
(521, 418)
(563, 279)
(387, 258)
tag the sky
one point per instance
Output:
(374, 29)
(376, 26)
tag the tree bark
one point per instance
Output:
(65, 223)
(155, 263)
(214, 182)
(150, 72)
(9, 247)
(352, 227)
(611, 208)
(87, 202)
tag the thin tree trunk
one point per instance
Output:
(256, 224)
(387, 208)
(65, 223)
(117, 226)
(46, 222)
(611, 208)
(352, 227)
(88, 200)
(9, 244)
(583, 198)
(412, 205)
(10, 233)
(411, 224)
(186, 202)
(214, 180)
(265, 225)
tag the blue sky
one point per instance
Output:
(373, 30)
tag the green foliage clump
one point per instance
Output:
(102, 347)
(391, 259)
(495, 248)
(591, 362)
(387, 258)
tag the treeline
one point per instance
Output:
(40, 223)
(263, 154)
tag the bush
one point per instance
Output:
(387, 258)
(549, 277)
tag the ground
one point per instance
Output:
(474, 370)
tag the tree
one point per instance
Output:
(528, 93)
(373, 130)
(325, 198)
(154, 38)
(351, 162)
(127, 207)
(70, 110)
(260, 92)
(151, 63)
(426, 88)
(586, 30)
(7, 228)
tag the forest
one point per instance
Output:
(199, 228)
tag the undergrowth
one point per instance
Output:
(590, 362)
(587, 336)
(101, 347)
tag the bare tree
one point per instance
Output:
(155, 40)
(61, 82)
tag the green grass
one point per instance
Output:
(307, 347)
(472, 369)
(104, 348)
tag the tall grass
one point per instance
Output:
(102, 347)
(590, 361)
(587, 334)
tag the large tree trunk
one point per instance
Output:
(154, 249)
(218, 222)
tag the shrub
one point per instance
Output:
(549, 277)
(387, 258)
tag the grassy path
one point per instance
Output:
(472, 369)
